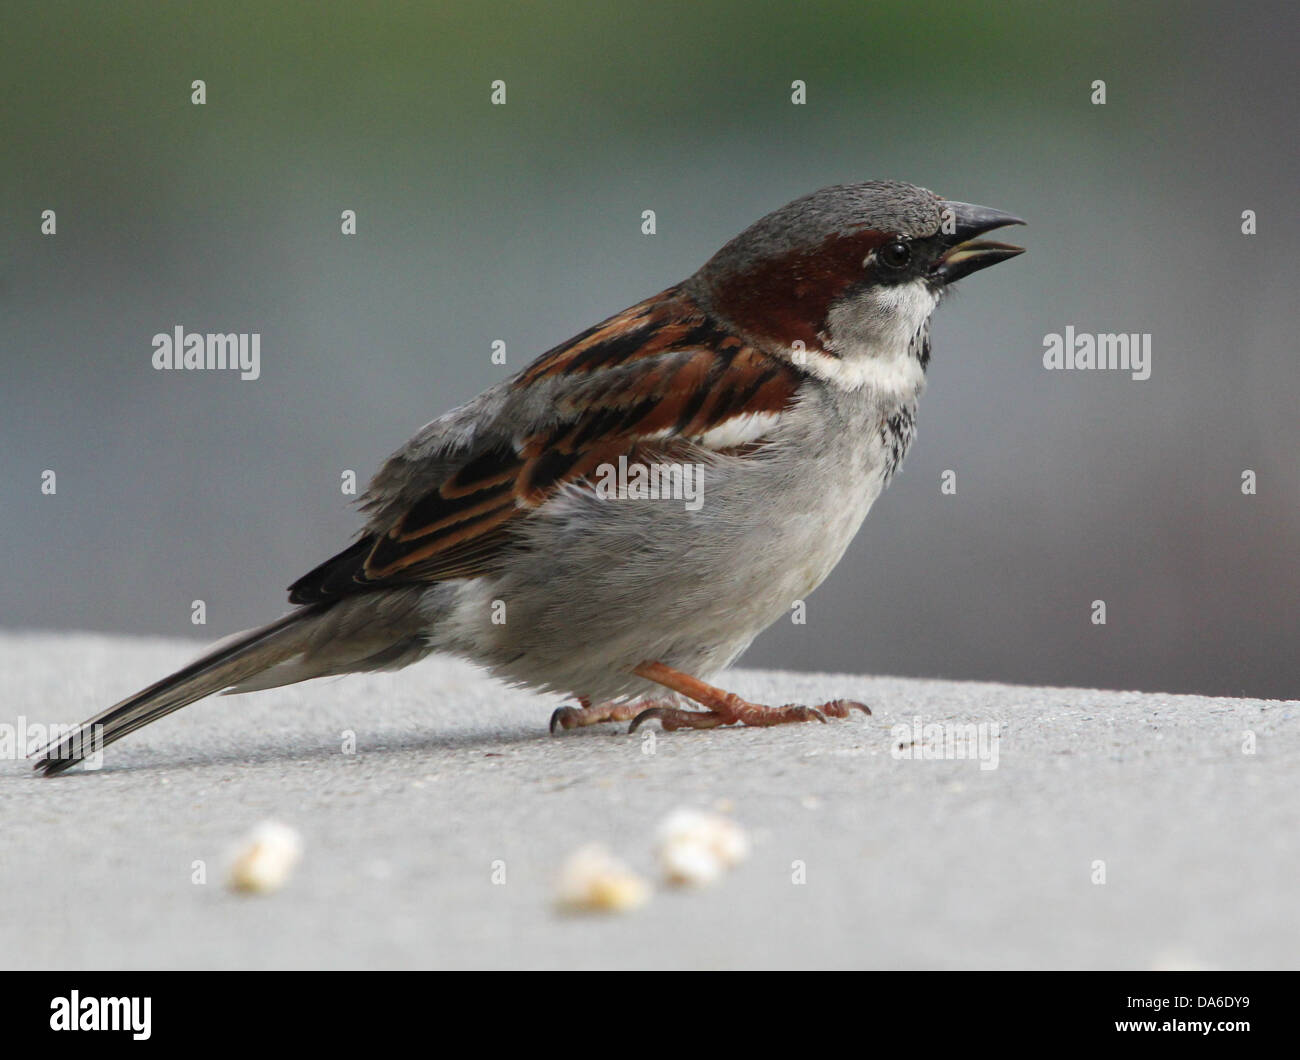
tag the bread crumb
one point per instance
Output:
(696, 847)
(594, 880)
(266, 859)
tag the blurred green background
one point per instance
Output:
(522, 223)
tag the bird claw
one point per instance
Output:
(839, 708)
(565, 718)
(644, 716)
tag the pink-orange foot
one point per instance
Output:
(727, 708)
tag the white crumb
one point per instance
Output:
(266, 859)
(696, 847)
(593, 879)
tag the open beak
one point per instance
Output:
(965, 253)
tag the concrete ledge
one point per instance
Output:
(909, 863)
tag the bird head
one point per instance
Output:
(850, 272)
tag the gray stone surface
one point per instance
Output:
(909, 864)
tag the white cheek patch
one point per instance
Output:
(870, 336)
(906, 305)
(882, 321)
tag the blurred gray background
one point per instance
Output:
(522, 223)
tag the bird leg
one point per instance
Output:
(726, 708)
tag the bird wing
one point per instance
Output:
(657, 376)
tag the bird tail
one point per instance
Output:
(229, 663)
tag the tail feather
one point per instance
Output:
(231, 662)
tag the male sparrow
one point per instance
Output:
(786, 372)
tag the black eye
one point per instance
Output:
(895, 255)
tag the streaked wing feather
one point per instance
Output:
(652, 378)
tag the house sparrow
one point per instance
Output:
(785, 371)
